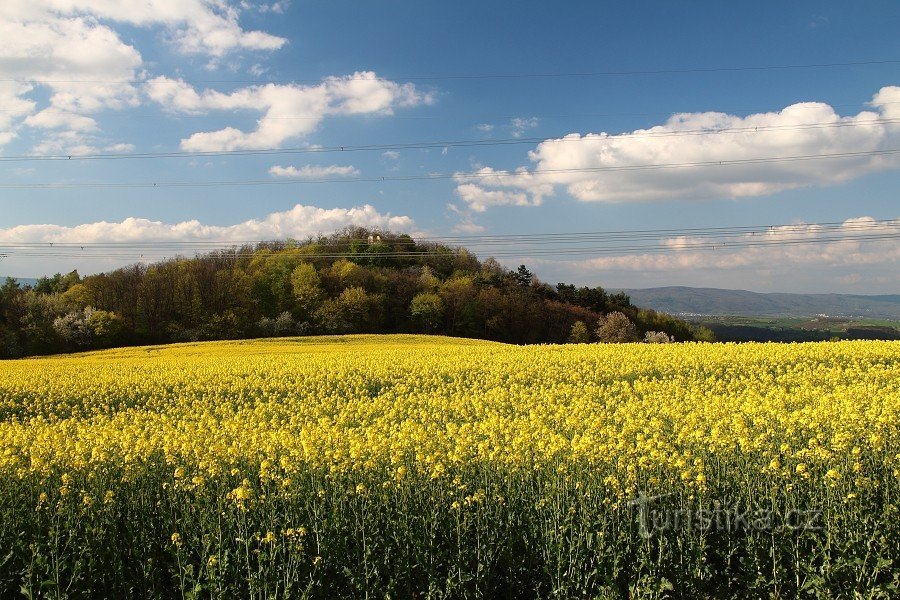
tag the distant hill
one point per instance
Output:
(717, 302)
(353, 281)
(21, 280)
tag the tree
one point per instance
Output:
(77, 296)
(348, 274)
(428, 280)
(427, 309)
(329, 317)
(658, 337)
(616, 328)
(354, 305)
(619, 301)
(580, 333)
(74, 329)
(105, 326)
(307, 287)
(458, 294)
(523, 276)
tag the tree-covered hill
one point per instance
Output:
(354, 281)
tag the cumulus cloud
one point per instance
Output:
(833, 260)
(70, 58)
(290, 110)
(487, 187)
(195, 26)
(313, 171)
(298, 222)
(69, 49)
(11, 96)
(597, 167)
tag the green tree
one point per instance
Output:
(329, 317)
(523, 276)
(105, 326)
(307, 287)
(459, 294)
(427, 309)
(579, 333)
(355, 304)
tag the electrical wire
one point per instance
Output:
(460, 177)
(560, 138)
(509, 239)
(663, 246)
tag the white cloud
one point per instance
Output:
(391, 154)
(195, 26)
(290, 110)
(468, 226)
(844, 266)
(519, 125)
(68, 57)
(517, 188)
(298, 222)
(16, 107)
(571, 162)
(70, 49)
(479, 199)
(769, 252)
(484, 127)
(313, 171)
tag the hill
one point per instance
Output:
(21, 280)
(355, 281)
(718, 302)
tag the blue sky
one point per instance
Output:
(87, 77)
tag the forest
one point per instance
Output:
(354, 281)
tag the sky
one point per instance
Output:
(463, 119)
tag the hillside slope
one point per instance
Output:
(713, 301)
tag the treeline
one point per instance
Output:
(355, 281)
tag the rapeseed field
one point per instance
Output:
(429, 467)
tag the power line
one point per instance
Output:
(621, 247)
(558, 139)
(444, 176)
(596, 251)
(480, 76)
(508, 239)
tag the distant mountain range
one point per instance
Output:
(687, 301)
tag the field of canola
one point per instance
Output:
(428, 467)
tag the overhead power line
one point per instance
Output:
(479, 76)
(620, 244)
(557, 139)
(507, 253)
(444, 176)
(508, 239)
